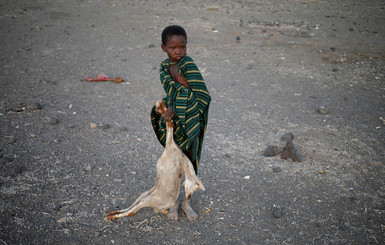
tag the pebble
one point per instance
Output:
(106, 126)
(287, 137)
(88, 168)
(15, 171)
(238, 39)
(6, 159)
(35, 107)
(271, 151)
(322, 110)
(53, 121)
(10, 140)
(277, 169)
(277, 212)
(123, 129)
(58, 207)
(93, 125)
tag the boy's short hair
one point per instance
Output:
(173, 30)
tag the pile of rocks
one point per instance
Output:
(288, 151)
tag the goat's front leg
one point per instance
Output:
(192, 183)
(129, 211)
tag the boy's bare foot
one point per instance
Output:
(173, 211)
(190, 213)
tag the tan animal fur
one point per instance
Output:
(169, 170)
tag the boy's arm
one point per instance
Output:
(176, 76)
(196, 83)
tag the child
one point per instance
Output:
(187, 100)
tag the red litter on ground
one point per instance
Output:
(102, 78)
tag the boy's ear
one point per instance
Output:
(163, 47)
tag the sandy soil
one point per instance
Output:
(269, 65)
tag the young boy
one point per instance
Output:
(187, 100)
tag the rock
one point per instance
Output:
(15, 171)
(35, 107)
(71, 126)
(6, 159)
(88, 168)
(287, 137)
(53, 121)
(297, 155)
(106, 126)
(277, 169)
(277, 212)
(57, 207)
(291, 152)
(322, 110)
(10, 139)
(271, 151)
(93, 125)
(123, 129)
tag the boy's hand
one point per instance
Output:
(168, 115)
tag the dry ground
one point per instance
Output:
(268, 65)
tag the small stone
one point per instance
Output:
(53, 121)
(106, 126)
(277, 212)
(297, 155)
(10, 139)
(271, 151)
(93, 125)
(71, 126)
(321, 171)
(151, 45)
(238, 39)
(123, 129)
(287, 137)
(322, 110)
(35, 107)
(6, 159)
(15, 171)
(58, 207)
(277, 169)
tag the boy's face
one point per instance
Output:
(176, 47)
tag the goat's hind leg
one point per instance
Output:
(192, 183)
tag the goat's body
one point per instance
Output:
(169, 171)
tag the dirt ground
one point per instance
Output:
(311, 68)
